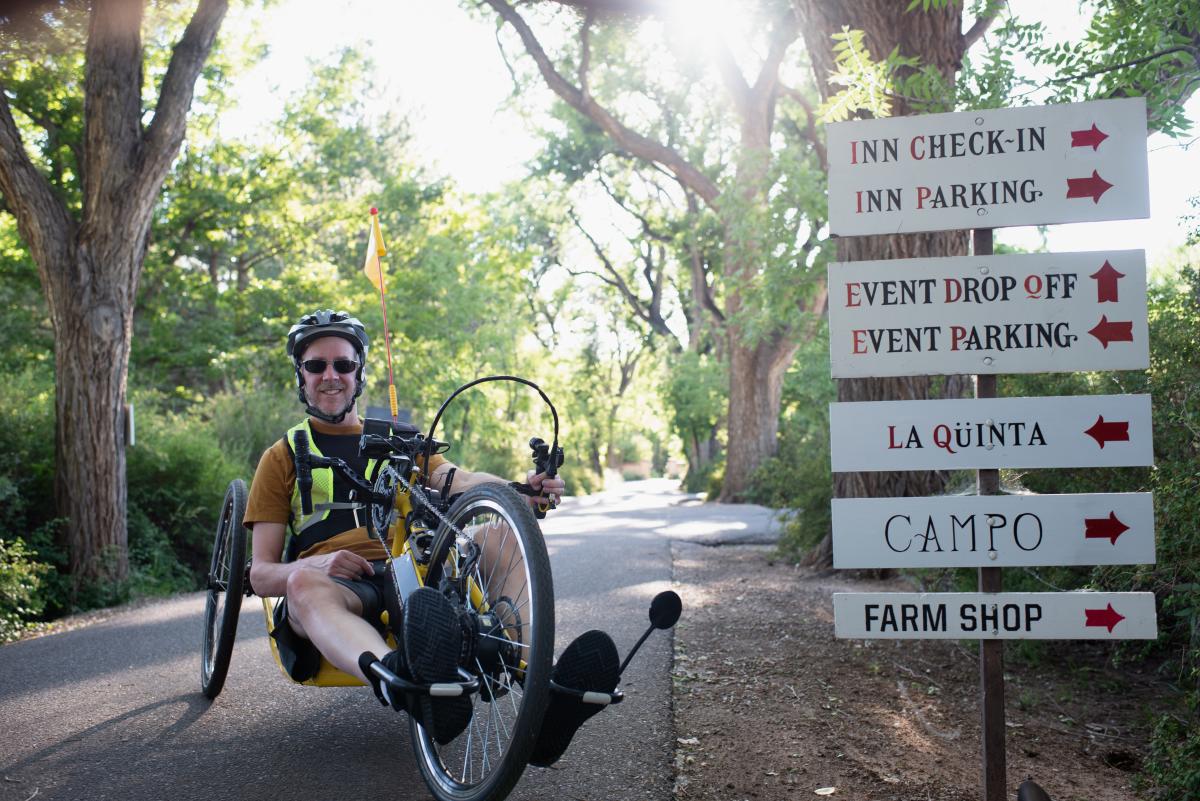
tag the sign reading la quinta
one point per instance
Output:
(1077, 162)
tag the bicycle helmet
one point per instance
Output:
(327, 323)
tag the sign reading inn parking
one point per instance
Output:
(1077, 162)
(1037, 313)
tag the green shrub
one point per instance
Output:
(1172, 770)
(22, 594)
(177, 474)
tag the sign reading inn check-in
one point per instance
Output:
(1077, 162)
(985, 315)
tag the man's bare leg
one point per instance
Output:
(330, 615)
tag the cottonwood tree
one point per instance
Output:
(760, 339)
(936, 36)
(89, 248)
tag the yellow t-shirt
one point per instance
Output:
(270, 498)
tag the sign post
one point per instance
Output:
(985, 315)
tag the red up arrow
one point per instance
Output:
(1092, 187)
(1106, 283)
(1112, 332)
(1104, 432)
(1090, 138)
(1108, 618)
(1099, 528)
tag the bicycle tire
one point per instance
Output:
(226, 580)
(488, 758)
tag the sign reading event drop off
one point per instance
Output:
(1077, 162)
(1038, 313)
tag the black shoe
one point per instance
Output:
(385, 692)
(590, 662)
(433, 641)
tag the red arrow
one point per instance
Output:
(1108, 618)
(1092, 187)
(1106, 283)
(1091, 138)
(1104, 432)
(1099, 528)
(1112, 332)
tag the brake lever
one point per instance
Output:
(545, 463)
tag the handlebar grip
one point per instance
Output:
(542, 460)
(304, 479)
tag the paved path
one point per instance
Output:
(112, 710)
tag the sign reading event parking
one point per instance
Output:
(995, 616)
(1039, 313)
(1070, 431)
(1076, 162)
(993, 531)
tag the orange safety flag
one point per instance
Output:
(375, 250)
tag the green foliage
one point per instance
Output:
(21, 578)
(798, 477)
(868, 83)
(1144, 49)
(695, 391)
(1172, 769)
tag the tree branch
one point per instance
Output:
(1134, 63)
(585, 51)
(166, 130)
(637, 144)
(42, 217)
(980, 26)
(810, 128)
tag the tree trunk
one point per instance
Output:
(92, 341)
(89, 268)
(936, 37)
(755, 392)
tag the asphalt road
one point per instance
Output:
(113, 710)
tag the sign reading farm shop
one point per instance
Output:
(993, 531)
(1037, 313)
(995, 616)
(1077, 162)
(1075, 431)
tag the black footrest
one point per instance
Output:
(589, 661)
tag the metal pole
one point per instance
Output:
(991, 657)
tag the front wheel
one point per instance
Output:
(493, 561)
(226, 579)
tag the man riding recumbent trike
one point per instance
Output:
(380, 563)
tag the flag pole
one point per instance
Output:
(376, 241)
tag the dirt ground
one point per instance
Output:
(769, 705)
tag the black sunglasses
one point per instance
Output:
(317, 366)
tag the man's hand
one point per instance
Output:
(550, 490)
(340, 564)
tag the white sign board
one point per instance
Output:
(1036, 165)
(995, 616)
(1075, 431)
(994, 531)
(989, 314)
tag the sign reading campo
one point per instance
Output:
(989, 314)
(1076, 162)
(994, 531)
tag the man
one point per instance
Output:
(334, 587)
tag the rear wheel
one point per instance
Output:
(497, 565)
(226, 579)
